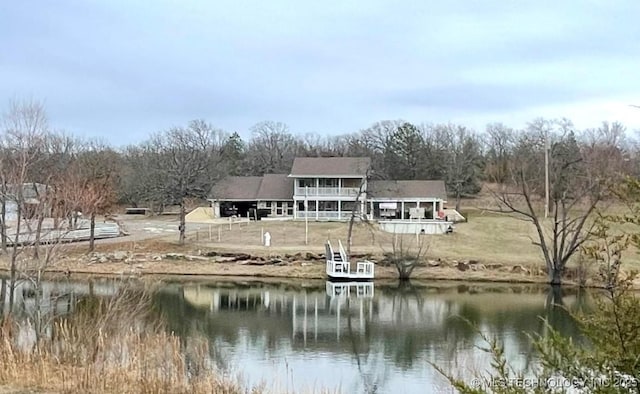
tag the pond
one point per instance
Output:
(354, 338)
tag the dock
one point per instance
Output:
(339, 266)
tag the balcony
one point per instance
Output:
(327, 191)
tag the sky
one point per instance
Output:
(122, 70)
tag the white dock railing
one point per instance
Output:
(338, 265)
(343, 254)
(364, 268)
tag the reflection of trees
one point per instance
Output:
(372, 380)
(407, 322)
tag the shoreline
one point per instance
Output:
(310, 271)
(199, 261)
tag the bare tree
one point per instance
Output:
(463, 160)
(25, 127)
(271, 149)
(574, 196)
(499, 151)
(186, 161)
(98, 166)
(406, 259)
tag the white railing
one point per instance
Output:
(343, 254)
(345, 289)
(364, 268)
(326, 191)
(338, 267)
(323, 214)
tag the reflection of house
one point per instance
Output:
(329, 188)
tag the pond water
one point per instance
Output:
(353, 338)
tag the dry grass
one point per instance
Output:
(486, 237)
(107, 347)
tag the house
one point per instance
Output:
(329, 188)
(241, 195)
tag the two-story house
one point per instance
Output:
(329, 187)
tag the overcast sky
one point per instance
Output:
(123, 69)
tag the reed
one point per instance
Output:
(107, 346)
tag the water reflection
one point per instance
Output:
(365, 340)
(354, 336)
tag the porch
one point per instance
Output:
(406, 209)
(327, 210)
(326, 191)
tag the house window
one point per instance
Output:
(328, 182)
(328, 206)
(279, 204)
(347, 206)
(307, 182)
(351, 182)
(268, 204)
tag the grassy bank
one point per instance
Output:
(500, 246)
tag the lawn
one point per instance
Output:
(488, 237)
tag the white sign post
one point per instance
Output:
(267, 239)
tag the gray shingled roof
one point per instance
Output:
(269, 187)
(330, 166)
(237, 188)
(276, 187)
(406, 189)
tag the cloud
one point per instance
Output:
(125, 69)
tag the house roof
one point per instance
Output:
(276, 187)
(330, 166)
(406, 189)
(267, 187)
(237, 188)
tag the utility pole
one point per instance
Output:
(306, 215)
(546, 174)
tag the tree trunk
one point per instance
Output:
(350, 233)
(14, 260)
(183, 214)
(458, 197)
(3, 291)
(36, 244)
(92, 232)
(3, 226)
(555, 276)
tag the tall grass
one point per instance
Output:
(107, 346)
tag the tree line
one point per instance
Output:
(182, 163)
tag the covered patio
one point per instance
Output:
(406, 200)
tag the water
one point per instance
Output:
(363, 339)
(353, 338)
